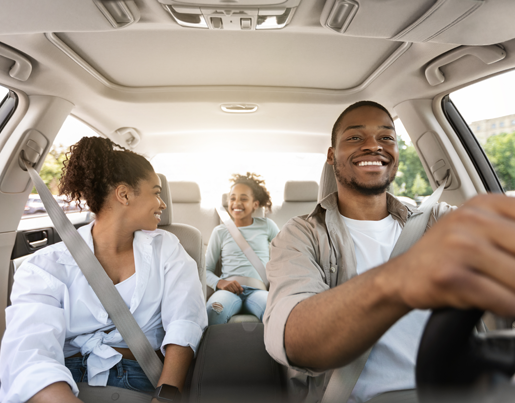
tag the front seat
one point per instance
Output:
(190, 237)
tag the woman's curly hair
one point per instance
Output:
(257, 185)
(94, 166)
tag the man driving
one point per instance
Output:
(334, 293)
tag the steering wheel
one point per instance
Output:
(453, 360)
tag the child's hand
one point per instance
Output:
(231, 286)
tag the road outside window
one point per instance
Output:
(488, 107)
(71, 132)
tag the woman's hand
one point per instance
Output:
(231, 286)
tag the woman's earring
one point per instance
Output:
(127, 203)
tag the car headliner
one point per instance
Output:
(168, 82)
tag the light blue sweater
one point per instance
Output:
(234, 263)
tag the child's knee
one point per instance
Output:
(217, 307)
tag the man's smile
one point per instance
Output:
(371, 163)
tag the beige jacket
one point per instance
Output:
(311, 254)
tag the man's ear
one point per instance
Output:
(330, 156)
(122, 193)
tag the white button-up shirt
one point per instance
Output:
(56, 314)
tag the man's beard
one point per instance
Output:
(363, 188)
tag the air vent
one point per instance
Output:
(244, 16)
(239, 108)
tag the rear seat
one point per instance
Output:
(300, 197)
(189, 236)
(187, 209)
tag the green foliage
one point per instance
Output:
(51, 170)
(500, 150)
(411, 179)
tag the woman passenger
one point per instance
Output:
(233, 295)
(58, 333)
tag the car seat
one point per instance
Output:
(187, 208)
(300, 197)
(190, 237)
(327, 182)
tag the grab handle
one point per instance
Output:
(487, 54)
(22, 67)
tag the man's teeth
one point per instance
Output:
(363, 163)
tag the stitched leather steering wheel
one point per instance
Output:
(454, 360)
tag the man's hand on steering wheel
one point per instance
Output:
(466, 260)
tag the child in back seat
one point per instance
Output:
(238, 288)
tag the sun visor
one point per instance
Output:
(36, 16)
(465, 22)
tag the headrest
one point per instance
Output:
(300, 191)
(166, 215)
(327, 182)
(185, 192)
(260, 212)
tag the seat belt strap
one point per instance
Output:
(100, 283)
(243, 244)
(344, 379)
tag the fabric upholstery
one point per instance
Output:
(327, 182)
(222, 371)
(191, 240)
(300, 191)
(300, 197)
(187, 209)
(185, 192)
(244, 318)
(189, 236)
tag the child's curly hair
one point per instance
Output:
(257, 186)
(95, 165)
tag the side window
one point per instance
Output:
(411, 183)
(488, 107)
(71, 132)
(8, 102)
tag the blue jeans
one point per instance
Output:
(126, 374)
(222, 305)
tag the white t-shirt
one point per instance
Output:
(126, 289)
(391, 365)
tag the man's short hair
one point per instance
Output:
(356, 105)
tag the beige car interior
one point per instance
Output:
(261, 75)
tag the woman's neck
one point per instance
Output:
(111, 236)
